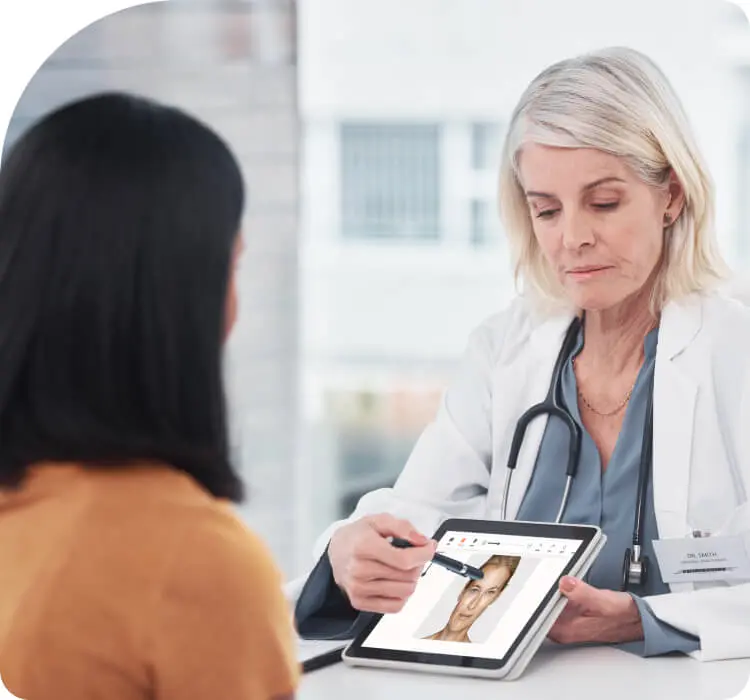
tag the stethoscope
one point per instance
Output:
(635, 564)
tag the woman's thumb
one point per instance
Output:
(578, 592)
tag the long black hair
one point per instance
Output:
(118, 221)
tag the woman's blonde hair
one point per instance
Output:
(618, 101)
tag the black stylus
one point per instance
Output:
(452, 565)
(322, 660)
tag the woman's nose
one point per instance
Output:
(576, 231)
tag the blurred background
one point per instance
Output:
(369, 132)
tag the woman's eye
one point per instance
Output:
(606, 205)
(546, 213)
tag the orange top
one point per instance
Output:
(136, 583)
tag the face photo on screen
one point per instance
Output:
(476, 597)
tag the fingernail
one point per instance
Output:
(567, 583)
(415, 537)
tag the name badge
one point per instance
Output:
(689, 560)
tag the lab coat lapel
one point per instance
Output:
(534, 365)
(674, 412)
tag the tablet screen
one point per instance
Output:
(449, 614)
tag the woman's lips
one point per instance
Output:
(584, 272)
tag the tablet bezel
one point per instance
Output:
(585, 533)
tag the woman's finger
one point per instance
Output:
(381, 550)
(370, 570)
(385, 589)
(378, 604)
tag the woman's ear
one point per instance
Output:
(675, 199)
(232, 302)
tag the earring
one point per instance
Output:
(667, 219)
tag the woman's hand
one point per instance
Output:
(595, 615)
(375, 575)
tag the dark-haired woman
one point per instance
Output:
(124, 573)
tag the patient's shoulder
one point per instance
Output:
(218, 552)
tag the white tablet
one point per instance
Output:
(487, 626)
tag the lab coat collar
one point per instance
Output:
(680, 323)
(549, 334)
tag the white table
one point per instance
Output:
(554, 674)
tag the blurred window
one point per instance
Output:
(390, 181)
(485, 146)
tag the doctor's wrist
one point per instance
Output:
(633, 620)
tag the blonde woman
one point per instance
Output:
(608, 208)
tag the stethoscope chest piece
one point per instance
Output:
(634, 569)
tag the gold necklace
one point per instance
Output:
(606, 414)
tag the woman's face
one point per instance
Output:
(598, 225)
(477, 596)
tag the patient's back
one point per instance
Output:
(134, 583)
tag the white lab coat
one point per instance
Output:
(701, 450)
